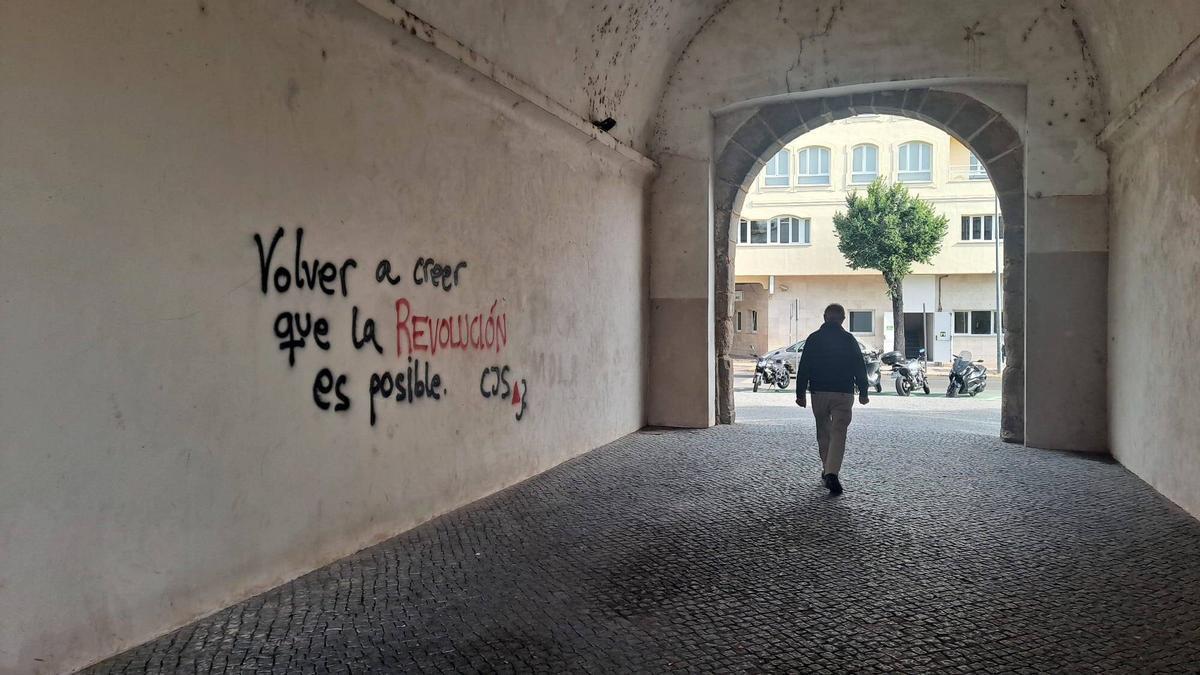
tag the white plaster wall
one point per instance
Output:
(814, 293)
(158, 457)
(965, 292)
(868, 293)
(1154, 309)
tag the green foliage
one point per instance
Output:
(888, 230)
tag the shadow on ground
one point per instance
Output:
(716, 550)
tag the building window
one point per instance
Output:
(975, 170)
(915, 162)
(739, 322)
(813, 166)
(864, 164)
(979, 228)
(778, 173)
(753, 321)
(975, 322)
(778, 230)
(752, 232)
(862, 322)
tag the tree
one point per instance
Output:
(889, 230)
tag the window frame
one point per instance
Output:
(738, 322)
(902, 153)
(850, 323)
(773, 227)
(971, 322)
(771, 170)
(997, 228)
(802, 166)
(854, 173)
(754, 321)
(975, 168)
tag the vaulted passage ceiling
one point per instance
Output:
(614, 58)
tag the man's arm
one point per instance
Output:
(802, 378)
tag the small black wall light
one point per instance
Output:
(606, 124)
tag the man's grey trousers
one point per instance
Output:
(833, 411)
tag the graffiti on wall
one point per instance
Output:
(423, 329)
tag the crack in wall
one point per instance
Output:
(826, 28)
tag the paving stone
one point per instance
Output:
(717, 551)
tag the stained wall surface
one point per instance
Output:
(599, 59)
(160, 457)
(1154, 308)
(1132, 42)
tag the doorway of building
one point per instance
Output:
(914, 333)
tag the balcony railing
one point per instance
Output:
(965, 172)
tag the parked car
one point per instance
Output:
(790, 355)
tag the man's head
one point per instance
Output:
(835, 313)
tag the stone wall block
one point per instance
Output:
(839, 107)
(863, 103)
(736, 164)
(940, 106)
(970, 119)
(995, 139)
(813, 112)
(889, 102)
(757, 138)
(781, 118)
(1008, 172)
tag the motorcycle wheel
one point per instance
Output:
(901, 389)
(925, 387)
(879, 387)
(756, 381)
(952, 391)
(783, 380)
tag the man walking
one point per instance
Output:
(831, 365)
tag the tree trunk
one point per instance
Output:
(896, 293)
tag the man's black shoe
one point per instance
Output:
(834, 485)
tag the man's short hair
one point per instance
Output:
(835, 312)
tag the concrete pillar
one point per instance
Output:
(681, 382)
(1067, 323)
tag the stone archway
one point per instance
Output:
(983, 130)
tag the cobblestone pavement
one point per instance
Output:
(717, 551)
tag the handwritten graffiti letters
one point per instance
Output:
(289, 272)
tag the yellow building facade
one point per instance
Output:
(787, 244)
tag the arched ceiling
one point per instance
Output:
(1132, 42)
(599, 58)
(604, 58)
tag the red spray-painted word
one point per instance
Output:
(424, 333)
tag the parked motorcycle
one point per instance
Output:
(874, 373)
(909, 374)
(966, 377)
(773, 372)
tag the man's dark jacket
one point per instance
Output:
(832, 361)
